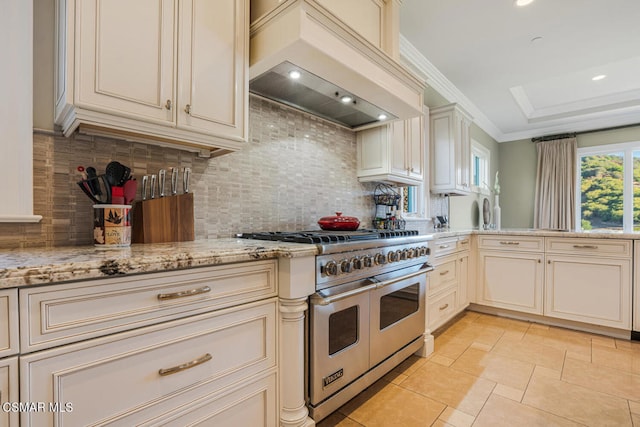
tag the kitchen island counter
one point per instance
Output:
(537, 233)
(38, 266)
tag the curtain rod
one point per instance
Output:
(574, 134)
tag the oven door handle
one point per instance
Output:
(319, 300)
(424, 269)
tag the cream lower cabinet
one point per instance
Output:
(9, 392)
(636, 286)
(448, 294)
(213, 367)
(165, 72)
(194, 347)
(9, 388)
(589, 281)
(511, 278)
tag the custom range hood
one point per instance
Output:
(303, 56)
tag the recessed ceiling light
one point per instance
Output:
(523, 2)
(294, 74)
(346, 99)
(598, 77)
(382, 116)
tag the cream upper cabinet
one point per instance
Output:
(393, 153)
(170, 72)
(511, 273)
(450, 143)
(589, 280)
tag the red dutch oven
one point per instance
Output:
(339, 222)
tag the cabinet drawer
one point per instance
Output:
(9, 322)
(131, 372)
(441, 308)
(60, 314)
(445, 274)
(445, 246)
(9, 393)
(515, 243)
(602, 247)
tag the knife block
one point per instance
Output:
(167, 219)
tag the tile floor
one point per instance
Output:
(493, 371)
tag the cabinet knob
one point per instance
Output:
(168, 104)
(187, 109)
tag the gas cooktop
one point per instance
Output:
(327, 236)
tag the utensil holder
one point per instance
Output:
(166, 219)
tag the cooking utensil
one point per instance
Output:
(152, 192)
(117, 173)
(186, 175)
(339, 222)
(145, 186)
(93, 185)
(174, 181)
(162, 174)
(130, 189)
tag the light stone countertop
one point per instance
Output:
(38, 266)
(538, 233)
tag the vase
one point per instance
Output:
(496, 213)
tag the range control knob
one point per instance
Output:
(331, 268)
(345, 266)
(367, 261)
(423, 251)
(380, 259)
(404, 254)
(393, 256)
(358, 263)
(411, 252)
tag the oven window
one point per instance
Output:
(398, 305)
(343, 329)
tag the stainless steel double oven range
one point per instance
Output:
(368, 311)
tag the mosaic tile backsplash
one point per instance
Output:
(294, 170)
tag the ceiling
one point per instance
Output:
(525, 72)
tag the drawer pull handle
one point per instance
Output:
(185, 366)
(464, 242)
(443, 273)
(443, 246)
(585, 246)
(509, 243)
(444, 307)
(182, 294)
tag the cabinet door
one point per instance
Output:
(9, 391)
(125, 57)
(398, 148)
(9, 325)
(463, 280)
(511, 280)
(463, 154)
(591, 290)
(415, 146)
(213, 67)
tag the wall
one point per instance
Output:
(294, 170)
(518, 160)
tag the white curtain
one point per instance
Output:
(555, 184)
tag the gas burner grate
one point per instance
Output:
(319, 236)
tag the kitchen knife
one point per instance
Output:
(162, 174)
(152, 192)
(186, 174)
(174, 181)
(145, 185)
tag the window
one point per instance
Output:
(608, 190)
(480, 156)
